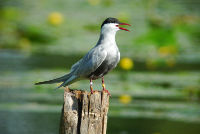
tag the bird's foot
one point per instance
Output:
(92, 92)
(105, 90)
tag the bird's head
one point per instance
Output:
(112, 25)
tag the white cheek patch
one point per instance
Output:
(110, 27)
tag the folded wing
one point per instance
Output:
(90, 62)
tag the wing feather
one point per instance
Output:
(90, 62)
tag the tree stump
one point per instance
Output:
(84, 113)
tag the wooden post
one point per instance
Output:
(84, 113)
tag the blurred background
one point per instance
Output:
(155, 88)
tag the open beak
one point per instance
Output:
(122, 27)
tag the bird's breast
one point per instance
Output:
(111, 59)
(112, 55)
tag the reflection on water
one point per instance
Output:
(13, 122)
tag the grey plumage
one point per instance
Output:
(102, 58)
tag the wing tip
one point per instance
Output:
(38, 83)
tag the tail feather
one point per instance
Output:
(57, 80)
(61, 85)
(69, 81)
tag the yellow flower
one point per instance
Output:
(167, 50)
(125, 99)
(94, 2)
(55, 18)
(126, 63)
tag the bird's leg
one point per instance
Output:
(104, 86)
(91, 89)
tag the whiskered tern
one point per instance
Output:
(101, 59)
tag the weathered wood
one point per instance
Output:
(84, 113)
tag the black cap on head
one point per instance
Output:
(110, 20)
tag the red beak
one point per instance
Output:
(122, 27)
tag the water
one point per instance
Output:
(13, 122)
(15, 60)
(118, 125)
(162, 103)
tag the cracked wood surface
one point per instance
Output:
(84, 113)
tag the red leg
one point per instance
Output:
(91, 89)
(104, 86)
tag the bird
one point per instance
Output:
(100, 60)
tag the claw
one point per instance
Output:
(104, 87)
(105, 90)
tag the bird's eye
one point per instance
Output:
(117, 25)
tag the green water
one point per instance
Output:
(13, 122)
(165, 102)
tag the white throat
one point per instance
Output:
(108, 32)
(107, 37)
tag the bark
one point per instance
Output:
(84, 113)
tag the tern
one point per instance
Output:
(101, 59)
